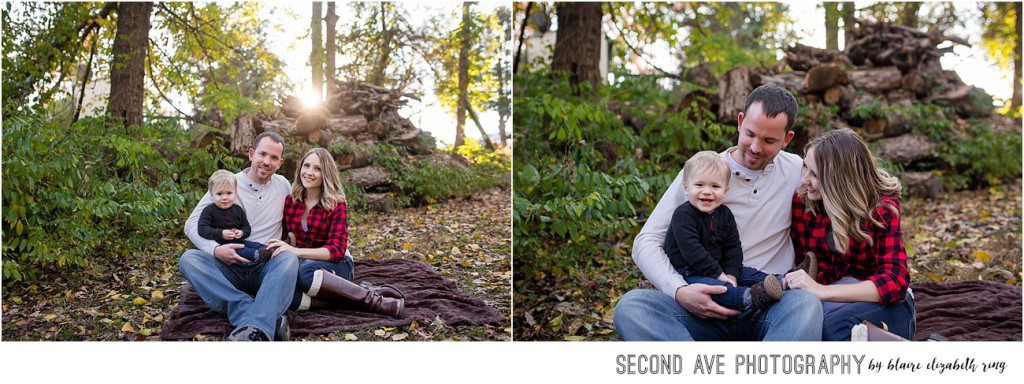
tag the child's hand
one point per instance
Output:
(227, 234)
(730, 279)
(239, 234)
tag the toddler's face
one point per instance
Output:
(706, 190)
(223, 196)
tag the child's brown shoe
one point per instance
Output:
(809, 265)
(766, 293)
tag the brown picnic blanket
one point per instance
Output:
(427, 295)
(968, 311)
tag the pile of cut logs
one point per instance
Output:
(890, 67)
(353, 119)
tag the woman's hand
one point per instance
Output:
(279, 246)
(800, 280)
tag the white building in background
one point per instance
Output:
(97, 92)
(538, 49)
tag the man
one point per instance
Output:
(254, 296)
(762, 182)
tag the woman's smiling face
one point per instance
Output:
(312, 172)
(809, 178)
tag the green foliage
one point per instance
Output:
(40, 47)
(999, 36)
(717, 35)
(74, 193)
(431, 179)
(874, 109)
(586, 179)
(219, 55)
(484, 48)
(982, 156)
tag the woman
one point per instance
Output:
(846, 212)
(316, 219)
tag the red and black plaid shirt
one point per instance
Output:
(884, 263)
(327, 229)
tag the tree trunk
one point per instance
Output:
(460, 113)
(1015, 101)
(483, 134)
(330, 41)
(378, 74)
(316, 58)
(578, 42)
(910, 14)
(849, 23)
(522, 33)
(733, 89)
(127, 74)
(831, 25)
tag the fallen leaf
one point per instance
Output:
(139, 301)
(575, 338)
(127, 328)
(400, 336)
(982, 256)
(351, 337)
(157, 295)
(49, 317)
(379, 332)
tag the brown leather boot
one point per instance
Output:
(766, 293)
(809, 265)
(386, 290)
(334, 289)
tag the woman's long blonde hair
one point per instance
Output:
(331, 193)
(852, 185)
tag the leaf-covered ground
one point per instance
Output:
(128, 296)
(966, 235)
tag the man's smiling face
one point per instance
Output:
(761, 137)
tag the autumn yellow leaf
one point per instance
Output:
(982, 256)
(379, 332)
(407, 246)
(49, 317)
(128, 328)
(935, 277)
(157, 295)
(139, 301)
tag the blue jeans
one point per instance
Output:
(249, 252)
(733, 296)
(649, 315)
(344, 268)
(900, 319)
(253, 294)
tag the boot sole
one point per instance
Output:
(773, 287)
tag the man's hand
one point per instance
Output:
(730, 279)
(696, 299)
(226, 254)
(227, 234)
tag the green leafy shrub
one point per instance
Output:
(584, 179)
(431, 179)
(78, 192)
(982, 156)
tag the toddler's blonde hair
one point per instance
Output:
(221, 178)
(706, 161)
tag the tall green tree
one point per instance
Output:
(1001, 37)
(831, 25)
(316, 53)
(128, 73)
(578, 42)
(464, 43)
